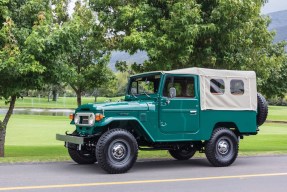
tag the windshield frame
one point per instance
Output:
(142, 76)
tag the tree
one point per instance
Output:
(84, 54)
(229, 34)
(275, 85)
(52, 91)
(19, 69)
(124, 72)
(122, 82)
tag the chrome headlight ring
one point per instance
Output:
(84, 119)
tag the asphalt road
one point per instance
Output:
(262, 174)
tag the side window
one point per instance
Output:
(184, 86)
(237, 87)
(217, 86)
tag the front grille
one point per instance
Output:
(84, 120)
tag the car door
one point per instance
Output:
(179, 114)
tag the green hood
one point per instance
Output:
(116, 106)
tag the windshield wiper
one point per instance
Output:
(146, 94)
(134, 95)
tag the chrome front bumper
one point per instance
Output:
(70, 139)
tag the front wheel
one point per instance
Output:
(222, 148)
(116, 151)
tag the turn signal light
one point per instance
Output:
(71, 116)
(99, 116)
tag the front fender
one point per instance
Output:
(109, 120)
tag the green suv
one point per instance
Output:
(182, 111)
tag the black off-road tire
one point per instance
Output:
(182, 154)
(222, 148)
(80, 157)
(117, 151)
(262, 109)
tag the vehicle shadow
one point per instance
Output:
(170, 164)
(144, 165)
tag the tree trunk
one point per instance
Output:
(96, 98)
(78, 93)
(2, 139)
(79, 98)
(49, 96)
(3, 125)
(54, 92)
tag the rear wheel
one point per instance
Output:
(222, 148)
(117, 151)
(183, 153)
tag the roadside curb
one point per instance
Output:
(139, 160)
(271, 121)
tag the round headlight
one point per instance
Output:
(76, 119)
(91, 120)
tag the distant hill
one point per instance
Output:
(281, 34)
(278, 24)
(279, 19)
(138, 57)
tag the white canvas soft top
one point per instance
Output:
(227, 100)
(214, 72)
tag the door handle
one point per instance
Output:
(193, 112)
(165, 102)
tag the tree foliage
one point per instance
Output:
(83, 50)
(19, 68)
(276, 86)
(229, 34)
(122, 82)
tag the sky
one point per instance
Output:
(274, 6)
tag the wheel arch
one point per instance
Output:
(230, 125)
(131, 124)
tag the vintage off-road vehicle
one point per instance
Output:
(182, 111)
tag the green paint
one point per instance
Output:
(159, 118)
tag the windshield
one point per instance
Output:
(144, 85)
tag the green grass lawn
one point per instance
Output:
(32, 138)
(62, 102)
(271, 139)
(277, 113)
